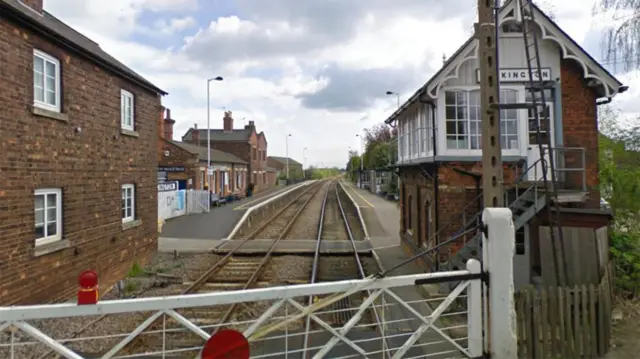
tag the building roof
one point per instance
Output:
(283, 160)
(592, 69)
(51, 28)
(216, 155)
(242, 135)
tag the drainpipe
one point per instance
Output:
(436, 182)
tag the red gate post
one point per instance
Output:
(88, 291)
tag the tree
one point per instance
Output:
(622, 42)
(620, 186)
(353, 165)
(380, 146)
(320, 173)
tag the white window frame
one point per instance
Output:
(415, 133)
(52, 60)
(442, 130)
(426, 131)
(400, 142)
(126, 95)
(58, 236)
(132, 217)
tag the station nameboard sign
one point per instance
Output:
(520, 75)
(171, 168)
(167, 186)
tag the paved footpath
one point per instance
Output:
(382, 219)
(215, 225)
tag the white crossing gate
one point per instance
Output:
(272, 319)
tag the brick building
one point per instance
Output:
(439, 139)
(246, 144)
(186, 163)
(78, 165)
(280, 165)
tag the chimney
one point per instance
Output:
(195, 135)
(35, 5)
(250, 126)
(227, 122)
(161, 122)
(168, 125)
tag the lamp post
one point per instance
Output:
(286, 142)
(397, 96)
(361, 158)
(304, 163)
(351, 164)
(217, 78)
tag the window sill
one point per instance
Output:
(52, 247)
(38, 111)
(131, 224)
(130, 133)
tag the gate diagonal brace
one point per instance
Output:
(483, 276)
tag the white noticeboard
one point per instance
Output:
(210, 171)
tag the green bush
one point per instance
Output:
(625, 252)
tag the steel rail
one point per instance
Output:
(204, 277)
(267, 257)
(363, 275)
(314, 267)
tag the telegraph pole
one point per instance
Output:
(489, 100)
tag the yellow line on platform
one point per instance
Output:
(354, 190)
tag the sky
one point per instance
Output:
(316, 69)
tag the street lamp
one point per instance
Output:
(361, 158)
(304, 163)
(397, 96)
(286, 141)
(217, 78)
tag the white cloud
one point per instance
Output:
(270, 55)
(163, 27)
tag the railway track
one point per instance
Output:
(335, 224)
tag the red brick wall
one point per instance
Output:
(181, 158)
(89, 166)
(580, 127)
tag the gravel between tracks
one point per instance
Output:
(274, 229)
(306, 226)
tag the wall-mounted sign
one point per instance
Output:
(167, 186)
(171, 168)
(520, 75)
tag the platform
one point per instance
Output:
(219, 221)
(294, 246)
